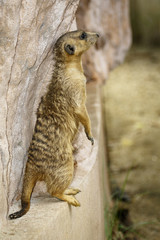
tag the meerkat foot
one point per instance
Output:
(69, 199)
(71, 191)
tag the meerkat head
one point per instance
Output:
(74, 44)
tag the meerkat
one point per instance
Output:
(62, 108)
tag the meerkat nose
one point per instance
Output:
(97, 34)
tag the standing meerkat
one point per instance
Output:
(62, 108)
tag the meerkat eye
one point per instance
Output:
(83, 36)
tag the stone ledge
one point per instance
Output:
(50, 218)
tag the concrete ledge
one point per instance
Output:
(50, 218)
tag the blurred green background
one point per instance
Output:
(145, 21)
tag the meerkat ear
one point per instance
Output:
(70, 49)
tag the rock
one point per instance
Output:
(111, 20)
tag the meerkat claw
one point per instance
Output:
(90, 139)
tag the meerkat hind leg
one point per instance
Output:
(69, 199)
(71, 191)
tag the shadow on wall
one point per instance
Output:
(145, 21)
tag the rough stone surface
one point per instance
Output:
(110, 19)
(27, 34)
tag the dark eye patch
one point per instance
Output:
(83, 36)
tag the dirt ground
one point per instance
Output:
(132, 115)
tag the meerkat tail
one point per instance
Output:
(24, 210)
(28, 185)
